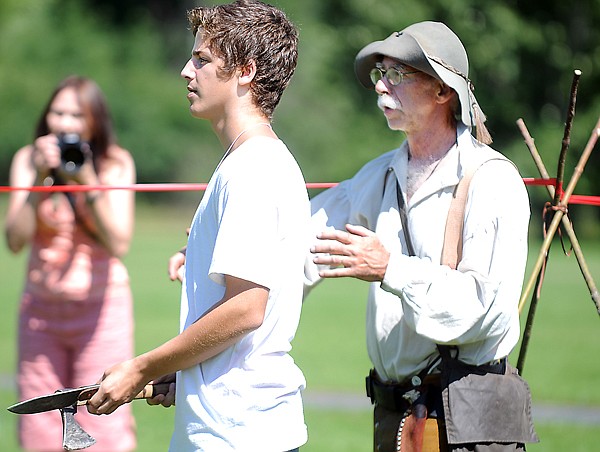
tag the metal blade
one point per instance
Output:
(60, 399)
(74, 437)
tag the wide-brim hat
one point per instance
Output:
(430, 47)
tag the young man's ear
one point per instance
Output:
(247, 73)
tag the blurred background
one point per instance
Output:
(522, 57)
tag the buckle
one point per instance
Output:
(496, 366)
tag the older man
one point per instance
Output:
(431, 312)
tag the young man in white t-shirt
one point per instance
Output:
(237, 388)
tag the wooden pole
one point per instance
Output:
(566, 224)
(566, 141)
(559, 214)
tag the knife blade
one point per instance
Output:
(60, 399)
(80, 396)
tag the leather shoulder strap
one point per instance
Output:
(453, 234)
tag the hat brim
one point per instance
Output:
(401, 47)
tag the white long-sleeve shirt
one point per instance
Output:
(420, 302)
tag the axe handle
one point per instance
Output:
(148, 392)
(152, 390)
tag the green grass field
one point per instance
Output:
(562, 363)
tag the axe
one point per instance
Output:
(67, 401)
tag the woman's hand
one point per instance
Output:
(45, 155)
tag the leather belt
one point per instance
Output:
(498, 366)
(395, 396)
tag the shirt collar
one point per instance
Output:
(447, 174)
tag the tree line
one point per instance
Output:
(522, 57)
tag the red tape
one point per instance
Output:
(574, 199)
(134, 187)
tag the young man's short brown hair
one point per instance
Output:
(249, 30)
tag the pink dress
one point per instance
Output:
(76, 320)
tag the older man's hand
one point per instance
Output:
(356, 252)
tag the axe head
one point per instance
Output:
(65, 400)
(74, 437)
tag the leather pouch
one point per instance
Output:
(488, 407)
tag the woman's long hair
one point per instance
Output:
(95, 111)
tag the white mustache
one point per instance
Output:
(386, 101)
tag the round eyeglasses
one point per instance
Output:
(393, 75)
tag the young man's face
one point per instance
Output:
(208, 93)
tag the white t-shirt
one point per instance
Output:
(252, 223)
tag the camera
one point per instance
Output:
(72, 152)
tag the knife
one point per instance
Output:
(80, 396)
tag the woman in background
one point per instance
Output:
(76, 314)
